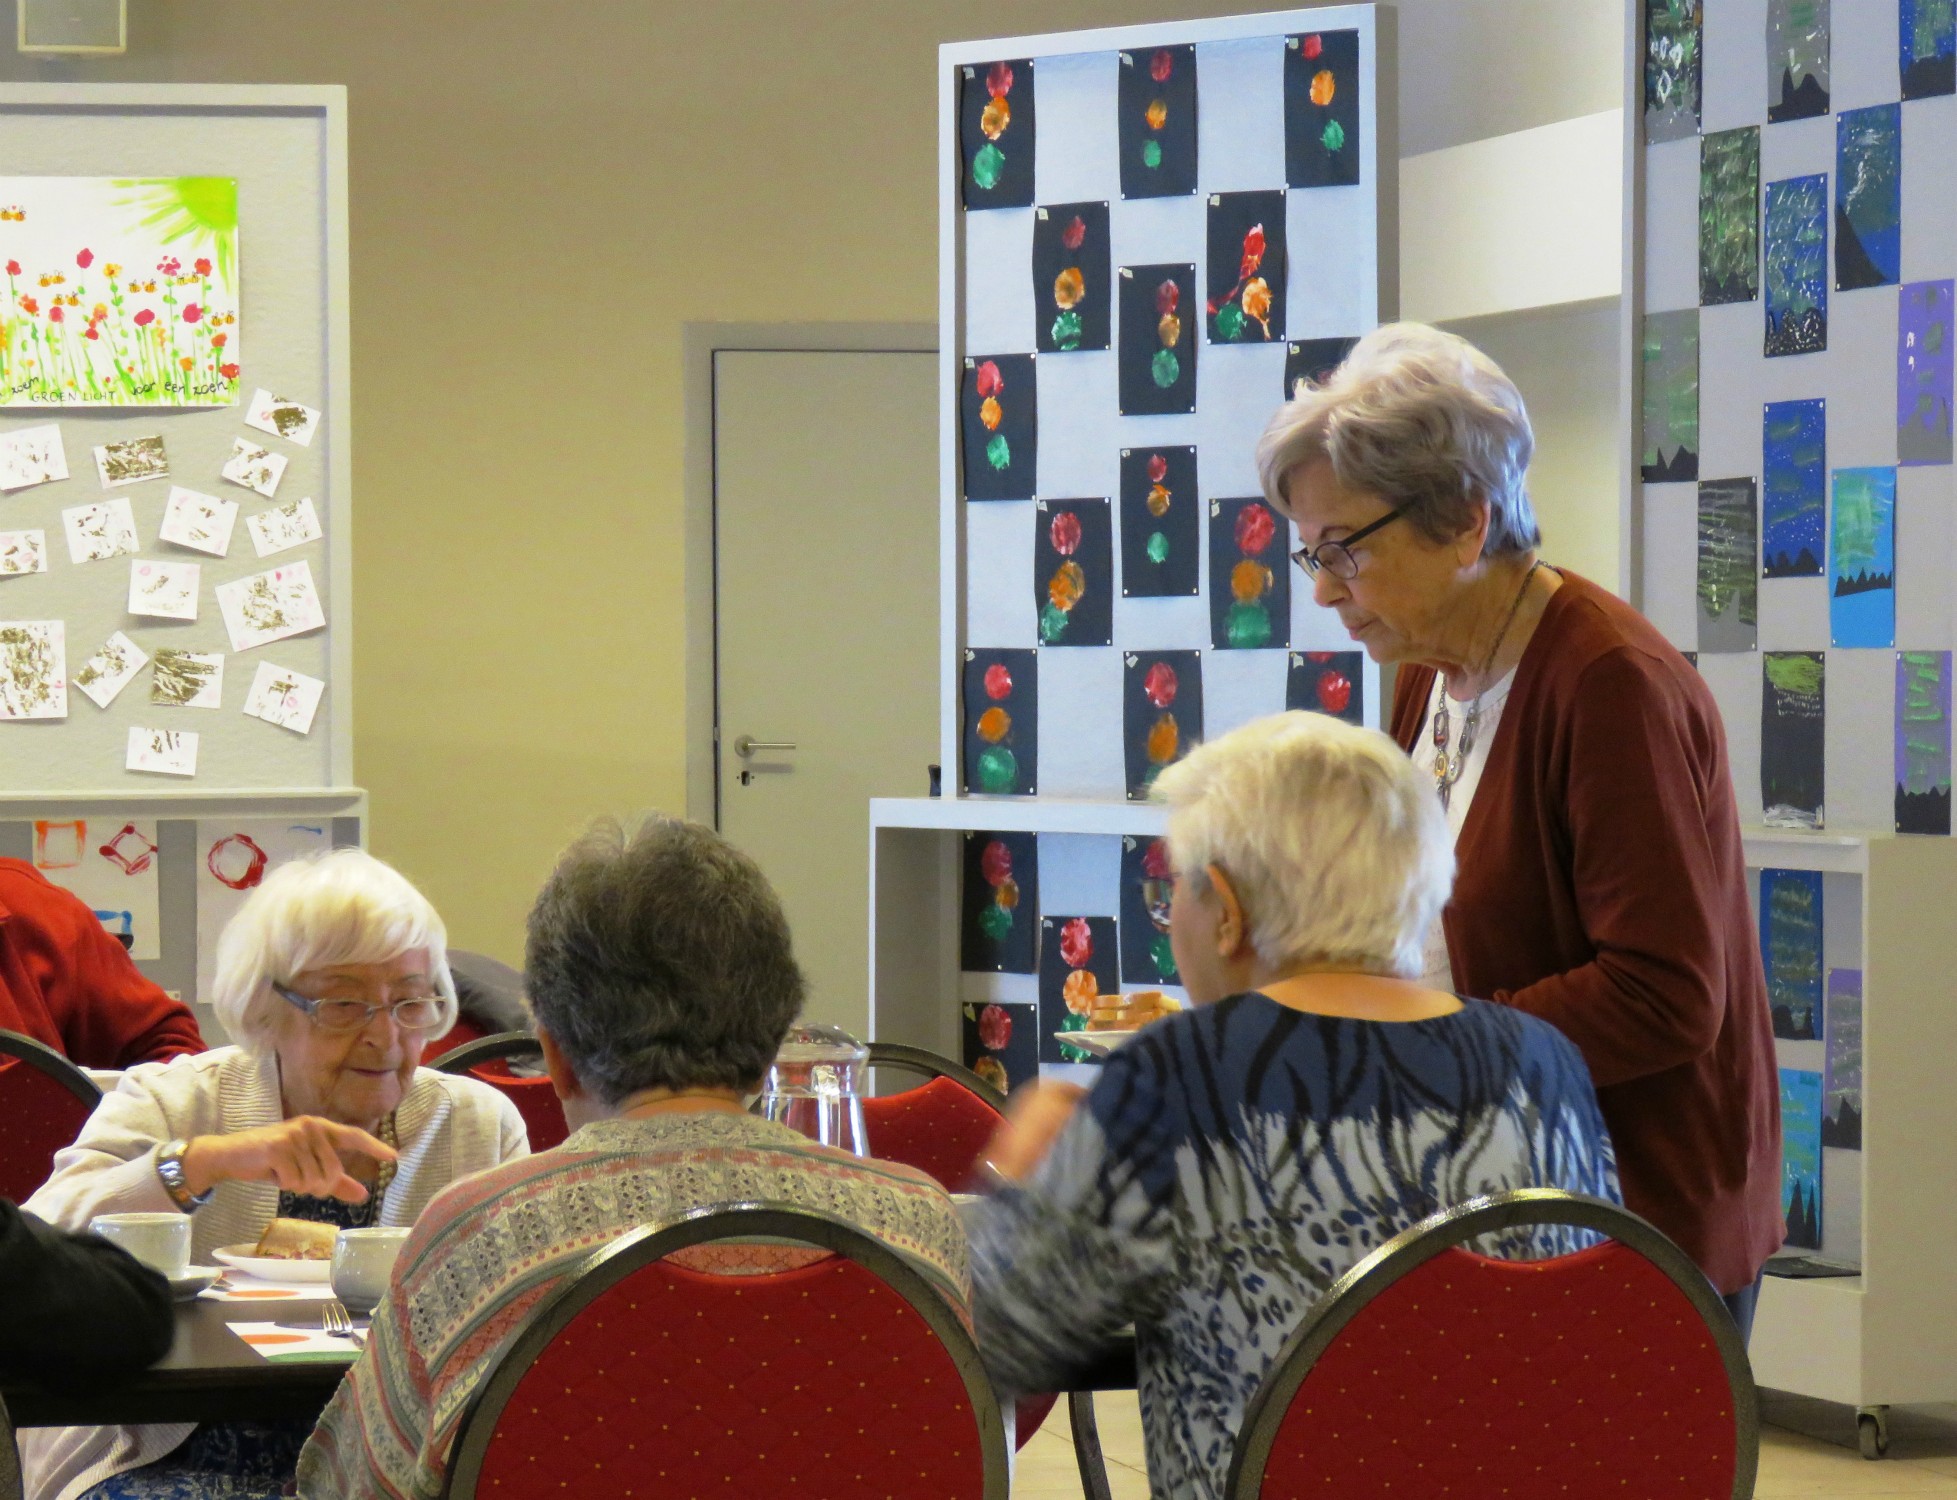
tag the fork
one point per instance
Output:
(334, 1319)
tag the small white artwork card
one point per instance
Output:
(95, 532)
(283, 697)
(33, 455)
(200, 522)
(274, 531)
(111, 864)
(33, 669)
(108, 671)
(282, 418)
(166, 752)
(131, 462)
(269, 607)
(23, 552)
(187, 679)
(165, 589)
(255, 468)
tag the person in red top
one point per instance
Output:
(1602, 884)
(66, 982)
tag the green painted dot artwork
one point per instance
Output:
(1053, 623)
(1158, 547)
(1165, 368)
(998, 452)
(1163, 952)
(1248, 625)
(998, 769)
(1151, 154)
(987, 165)
(995, 922)
(1333, 138)
(1066, 330)
(1229, 322)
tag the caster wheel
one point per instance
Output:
(1872, 1435)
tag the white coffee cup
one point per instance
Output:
(363, 1260)
(159, 1241)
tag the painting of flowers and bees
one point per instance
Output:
(119, 291)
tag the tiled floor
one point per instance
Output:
(1807, 1452)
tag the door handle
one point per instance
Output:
(747, 746)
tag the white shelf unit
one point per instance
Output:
(1890, 1334)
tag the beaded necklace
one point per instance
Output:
(1448, 768)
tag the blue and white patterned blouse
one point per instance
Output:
(1231, 1164)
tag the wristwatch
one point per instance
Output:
(169, 1171)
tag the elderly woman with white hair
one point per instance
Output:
(1236, 1159)
(1582, 765)
(333, 976)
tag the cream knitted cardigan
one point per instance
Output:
(447, 1127)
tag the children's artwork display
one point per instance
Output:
(1160, 525)
(1798, 56)
(1250, 576)
(1800, 1146)
(1922, 740)
(1078, 965)
(1928, 33)
(1729, 216)
(1671, 397)
(1327, 682)
(120, 292)
(1793, 738)
(1073, 572)
(1193, 230)
(1841, 1118)
(1862, 559)
(111, 865)
(1001, 1043)
(1158, 122)
(1923, 372)
(1790, 949)
(33, 669)
(1797, 265)
(1868, 197)
(1162, 713)
(284, 697)
(1729, 565)
(233, 859)
(1148, 885)
(999, 933)
(1002, 722)
(1795, 497)
(1673, 64)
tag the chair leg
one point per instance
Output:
(1087, 1446)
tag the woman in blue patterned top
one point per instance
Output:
(1234, 1160)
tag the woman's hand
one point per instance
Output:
(305, 1155)
(1035, 1116)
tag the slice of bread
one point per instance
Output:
(1130, 1012)
(297, 1239)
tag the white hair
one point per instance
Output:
(1335, 845)
(1422, 419)
(341, 907)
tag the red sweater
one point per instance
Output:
(1602, 887)
(66, 982)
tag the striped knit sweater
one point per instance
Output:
(489, 1249)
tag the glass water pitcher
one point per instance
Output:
(816, 1087)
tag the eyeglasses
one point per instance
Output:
(1336, 557)
(421, 1013)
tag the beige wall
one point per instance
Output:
(542, 196)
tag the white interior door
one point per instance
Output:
(826, 629)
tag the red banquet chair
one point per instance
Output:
(842, 1378)
(488, 1060)
(1430, 1370)
(941, 1127)
(44, 1102)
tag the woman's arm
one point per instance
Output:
(1650, 886)
(75, 1307)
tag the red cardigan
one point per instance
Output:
(1602, 887)
(67, 982)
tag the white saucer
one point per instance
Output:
(193, 1281)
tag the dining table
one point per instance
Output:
(212, 1375)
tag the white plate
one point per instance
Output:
(193, 1281)
(1100, 1043)
(291, 1272)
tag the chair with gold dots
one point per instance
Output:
(1431, 1370)
(843, 1377)
(44, 1102)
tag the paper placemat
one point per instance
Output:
(284, 1345)
(237, 1286)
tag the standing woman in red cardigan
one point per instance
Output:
(1583, 767)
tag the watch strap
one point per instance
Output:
(169, 1171)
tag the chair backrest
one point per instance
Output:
(941, 1126)
(1428, 1369)
(849, 1376)
(44, 1102)
(488, 1061)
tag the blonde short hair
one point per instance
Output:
(341, 907)
(1422, 419)
(1335, 845)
